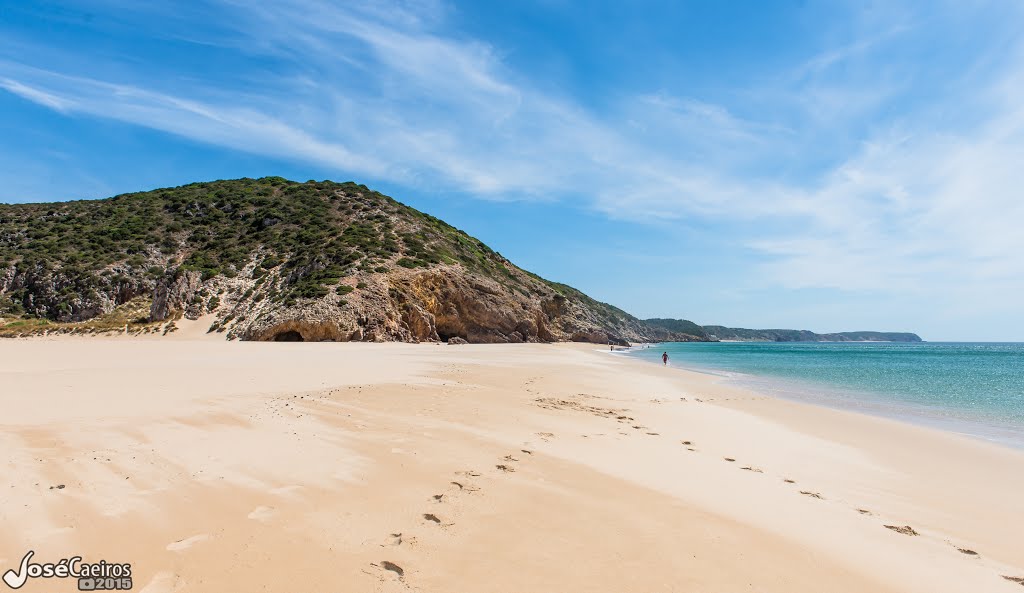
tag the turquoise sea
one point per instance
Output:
(971, 388)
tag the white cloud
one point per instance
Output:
(35, 95)
(240, 128)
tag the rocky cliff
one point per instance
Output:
(272, 259)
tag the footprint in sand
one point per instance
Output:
(1018, 580)
(465, 487)
(904, 529)
(527, 451)
(753, 469)
(505, 468)
(966, 551)
(729, 459)
(262, 513)
(509, 458)
(812, 494)
(432, 518)
(788, 481)
(391, 566)
(687, 443)
(184, 544)
(394, 539)
(864, 511)
(388, 567)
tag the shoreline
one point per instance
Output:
(987, 429)
(214, 465)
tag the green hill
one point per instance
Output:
(678, 327)
(276, 259)
(795, 335)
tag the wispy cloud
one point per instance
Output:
(35, 95)
(239, 127)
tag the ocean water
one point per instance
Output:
(971, 388)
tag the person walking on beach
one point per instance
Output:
(664, 358)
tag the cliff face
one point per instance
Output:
(437, 304)
(277, 260)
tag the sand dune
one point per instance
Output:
(215, 466)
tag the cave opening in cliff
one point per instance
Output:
(289, 336)
(444, 336)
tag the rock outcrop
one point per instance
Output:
(440, 304)
(176, 293)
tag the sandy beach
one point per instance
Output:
(223, 466)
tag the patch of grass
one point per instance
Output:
(133, 316)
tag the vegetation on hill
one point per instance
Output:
(683, 327)
(316, 233)
(344, 260)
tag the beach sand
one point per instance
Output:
(218, 466)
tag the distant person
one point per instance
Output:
(664, 358)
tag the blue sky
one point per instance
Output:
(821, 165)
